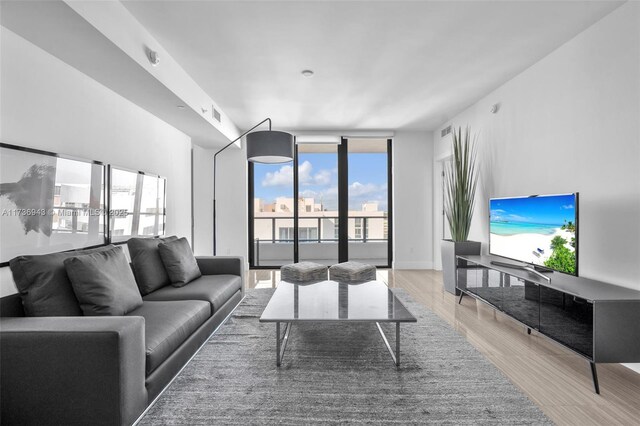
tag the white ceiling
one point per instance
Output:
(378, 65)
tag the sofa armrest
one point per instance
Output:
(72, 370)
(216, 265)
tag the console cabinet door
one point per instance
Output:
(492, 283)
(567, 319)
(520, 300)
(483, 282)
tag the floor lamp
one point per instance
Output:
(263, 146)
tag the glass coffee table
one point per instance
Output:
(331, 301)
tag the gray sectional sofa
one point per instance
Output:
(105, 369)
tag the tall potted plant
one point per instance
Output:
(460, 180)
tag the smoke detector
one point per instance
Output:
(154, 58)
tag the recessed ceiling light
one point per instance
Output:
(307, 73)
(180, 106)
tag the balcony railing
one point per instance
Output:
(274, 247)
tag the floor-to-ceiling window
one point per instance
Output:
(318, 203)
(336, 185)
(271, 223)
(368, 201)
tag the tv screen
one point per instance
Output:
(541, 230)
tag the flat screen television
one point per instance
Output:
(541, 230)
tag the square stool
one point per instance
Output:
(303, 272)
(352, 272)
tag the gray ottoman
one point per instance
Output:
(352, 272)
(303, 272)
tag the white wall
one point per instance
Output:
(232, 204)
(440, 226)
(232, 215)
(46, 104)
(412, 200)
(571, 122)
(202, 201)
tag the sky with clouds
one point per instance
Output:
(318, 179)
(549, 209)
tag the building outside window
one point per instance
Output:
(304, 234)
(358, 228)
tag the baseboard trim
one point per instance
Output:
(635, 367)
(412, 265)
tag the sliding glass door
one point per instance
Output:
(334, 184)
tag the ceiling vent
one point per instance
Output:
(444, 132)
(216, 115)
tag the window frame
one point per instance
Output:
(341, 232)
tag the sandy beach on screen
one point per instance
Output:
(522, 246)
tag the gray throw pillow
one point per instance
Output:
(44, 286)
(103, 283)
(179, 262)
(147, 264)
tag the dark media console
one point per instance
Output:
(596, 320)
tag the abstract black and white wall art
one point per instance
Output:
(49, 203)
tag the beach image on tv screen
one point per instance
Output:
(539, 230)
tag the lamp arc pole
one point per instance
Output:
(215, 170)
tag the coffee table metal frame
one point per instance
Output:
(282, 336)
(282, 339)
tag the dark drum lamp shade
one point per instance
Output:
(265, 146)
(269, 146)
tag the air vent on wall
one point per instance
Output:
(445, 131)
(216, 115)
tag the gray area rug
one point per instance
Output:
(340, 374)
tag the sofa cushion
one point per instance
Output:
(103, 283)
(147, 264)
(179, 262)
(168, 325)
(215, 289)
(44, 285)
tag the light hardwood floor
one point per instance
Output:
(551, 376)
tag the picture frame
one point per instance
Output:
(49, 202)
(138, 204)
